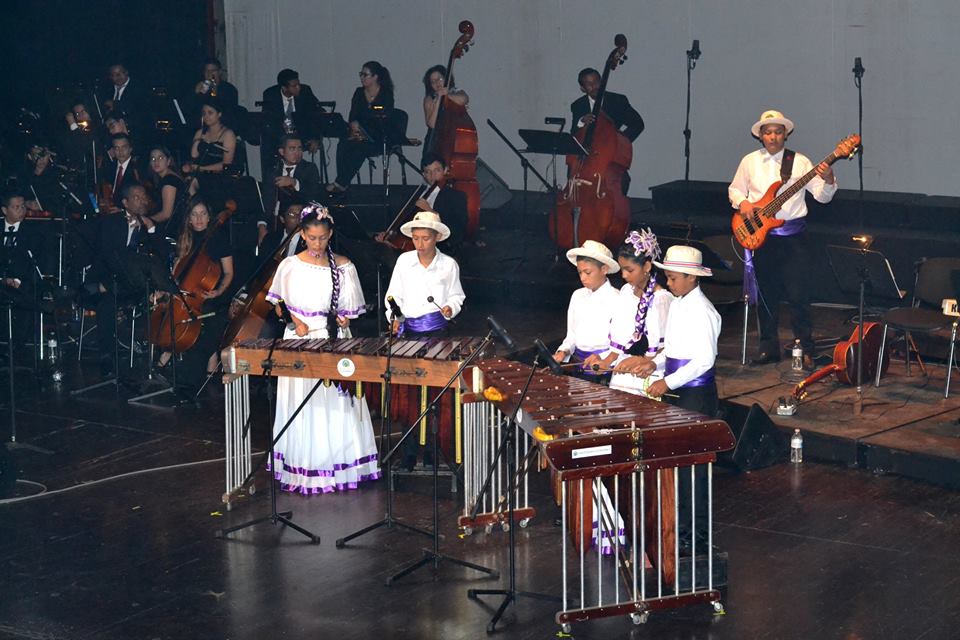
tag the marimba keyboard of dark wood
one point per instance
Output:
(427, 361)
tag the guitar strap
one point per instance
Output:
(786, 165)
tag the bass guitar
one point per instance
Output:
(751, 231)
(845, 360)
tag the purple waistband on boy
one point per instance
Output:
(705, 378)
(433, 321)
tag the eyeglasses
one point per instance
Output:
(364, 74)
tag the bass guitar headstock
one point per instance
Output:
(848, 147)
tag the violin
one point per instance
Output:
(592, 206)
(175, 323)
(454, 137)
(391, 235)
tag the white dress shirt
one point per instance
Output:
(588, 319)
(412, 283)
(591, 102)
(693, 326)
(758, 170)
(289, 106)
(118, 91)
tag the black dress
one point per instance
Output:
(374, 118)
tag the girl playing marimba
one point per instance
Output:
(636, 330)
(330, 444)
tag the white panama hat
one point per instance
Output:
(684, 259)
(426, 220)
(771, 116)
(595, 250)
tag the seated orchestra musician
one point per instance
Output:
(110, 281)
(591, 308)
(330, 444)
(197, 235)
(124, 169)
(425, 287)
(214, 144)
(213, 84)
(687, 362)
(19, 251)
(290, 180)
(288, 107)
(170, 192)
(639, 320)
(371, 110)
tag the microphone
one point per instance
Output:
(285, 315)
(547, 357)
(394, 308)
(858, 69)
(557, 121)
(501, 333)
(694, 52)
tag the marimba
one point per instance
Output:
(601, 441)
(422, 362)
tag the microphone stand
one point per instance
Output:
(509, 443)
(433, 555)
(863, 273)
(693, 54)
(113, 379)
(274, 517)
(386, 428)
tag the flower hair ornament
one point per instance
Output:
(644, 243)
(320, 211)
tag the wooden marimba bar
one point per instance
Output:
(422, 362)
(619, 461)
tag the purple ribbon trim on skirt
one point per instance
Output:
(705, 378)
(583, 354)
(750, 287)
(433, 321)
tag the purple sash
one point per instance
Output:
(582, 354)
(750, 287)
(705, 378)
(433, 321)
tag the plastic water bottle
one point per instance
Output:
(796, 446)
(796, 356)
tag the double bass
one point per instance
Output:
(592, 206)
(175, 322)
(454, 137)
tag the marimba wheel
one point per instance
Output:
(524, 522)
(468, 531)
(252, 489)
(718, 608)
(505, 526)
(488, 528)
(565, 627)
(639, 618)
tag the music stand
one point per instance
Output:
(554, 143)
(325, 124)
(857, 270)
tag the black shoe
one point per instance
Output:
(408, 463)
(765, 357)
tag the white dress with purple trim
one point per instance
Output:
(330, 445)
(623, 330)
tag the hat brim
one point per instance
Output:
(579, 252)
(786, 122)
(442, 230)
(693, 270)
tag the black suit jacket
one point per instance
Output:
(136, 106)
(452, 207)
(15, 261)
(305, 107)
(306, 173)
(106, 237)
(617, 107)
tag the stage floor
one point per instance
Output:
(122, 543)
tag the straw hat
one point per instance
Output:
(684, 259)
(596, 250)
(771, 117)
(426, 220)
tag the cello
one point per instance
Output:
(454, 137)
(175, 322)
(592, 206)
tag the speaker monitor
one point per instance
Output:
(759, 443)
